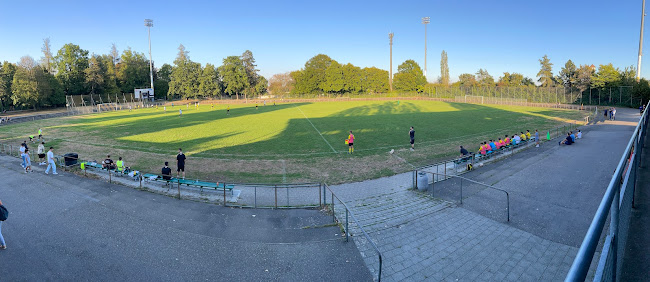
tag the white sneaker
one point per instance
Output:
(47, 172)
(54, 173)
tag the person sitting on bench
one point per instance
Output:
(120, 165)
(108, 163)
(166, 172)
(463, 152)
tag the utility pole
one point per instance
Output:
(425, 21)
(638, 64)
(390, 71)
(149, 23)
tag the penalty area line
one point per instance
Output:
(321, 135)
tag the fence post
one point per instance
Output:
(347, 231)
(179, 191)
(109, 175)
(276, 195)
(139, 176)
(224, 194)
(320, 199)
(333, 215)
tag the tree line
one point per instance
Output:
(323, 75)
(74, 71)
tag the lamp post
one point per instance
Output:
(149, 23)
(638, 63)
(425, 21)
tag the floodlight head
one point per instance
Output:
(148, 22)
(426, 20)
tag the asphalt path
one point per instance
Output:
(65, 227)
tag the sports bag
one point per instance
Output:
(4, 213)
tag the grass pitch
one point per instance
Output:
(288, 142)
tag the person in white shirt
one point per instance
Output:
(579, 134)
(22, 154)
(50, 162)
(41, 153)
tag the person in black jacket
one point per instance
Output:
(167, 172)
(3, 245)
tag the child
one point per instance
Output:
(28, 161)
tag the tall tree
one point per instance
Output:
(606, 76)
(568, 74)
(132, 71)
(47, 61)
(545, 73)
(184, 77)
(333, 78)
(352, 78)
(161, 81)
(262, 85)
(467, 80)
(281, 83)
(95, 74)
(444, 69)
(115, 55)
(7, 71)
(409, 77)
(209, 82)
(583, 77)
(233, 75)
(375, 80)
(25, 87)
(71, 61)
(484, 78)
(311, 78)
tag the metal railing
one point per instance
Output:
(615, 208)
(345, 225)
(441, 177)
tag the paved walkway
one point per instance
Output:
(69, 228)
(554, 190)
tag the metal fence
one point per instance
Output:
(462, 188)
(342, 215)
(615, 208)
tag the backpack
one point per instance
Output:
(4, 213)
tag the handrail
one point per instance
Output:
(476, 182)
(349, 211)
(582, 262)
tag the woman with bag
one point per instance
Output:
(3, 216)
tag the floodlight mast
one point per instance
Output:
(425, 21)
(638, 63)
(149, 23)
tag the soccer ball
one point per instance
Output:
(392, 151)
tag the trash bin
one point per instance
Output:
(70, 159)
(423, 181)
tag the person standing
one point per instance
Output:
(351, 143)
(412, 135)
(28, 162)
(180, 112)
(40, 134)
(3, 216)
(23, 148)
(50, 162)
(41, 153)
(613, 113)
(180, 163)
(536, 138)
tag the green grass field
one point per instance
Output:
(288, 142)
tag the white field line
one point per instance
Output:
(321, 135)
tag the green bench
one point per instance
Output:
(115, 171)
(194, 183)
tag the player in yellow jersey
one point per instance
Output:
(351, 143)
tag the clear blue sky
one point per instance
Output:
(500, 36)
